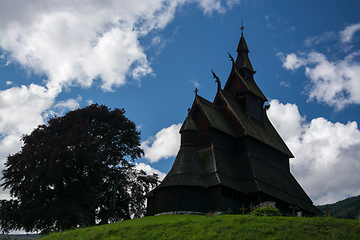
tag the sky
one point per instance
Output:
(148, 56)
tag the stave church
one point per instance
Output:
(230, 156)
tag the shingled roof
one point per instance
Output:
(214, 115)
(263, 132)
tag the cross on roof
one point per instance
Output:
(196, 90)
(242, 27)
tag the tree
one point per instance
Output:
(76, 171)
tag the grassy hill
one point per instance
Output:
(342, 208)
(219, 227)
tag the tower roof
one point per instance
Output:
(242, 60)
(188, 124)
(242, 46)
(241, 76)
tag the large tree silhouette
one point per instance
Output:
(76, 171)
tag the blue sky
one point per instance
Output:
(148, 57)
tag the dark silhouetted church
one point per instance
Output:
(230, 154)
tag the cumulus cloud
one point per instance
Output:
(327, 155)
(335, 83)
(149, 170)
(291, 61)
(164, 144)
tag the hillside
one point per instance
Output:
(342, 208)
(219, 227)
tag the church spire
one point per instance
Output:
(242, 62)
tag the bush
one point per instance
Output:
(266, 211)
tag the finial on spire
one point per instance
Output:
(196, 90)
(217, 79)
(242, 27)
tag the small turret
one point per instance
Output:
(188, 132)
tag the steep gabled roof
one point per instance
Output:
(264, 132)
(213, 114)
(281, 184)
(247, 84)
(244, 83)
(188, 125)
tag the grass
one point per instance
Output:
(219, 227)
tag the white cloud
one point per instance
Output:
(67, 105)
(348, 33)
(73, 43)
(77, 41)
(327, 155)
(213, 5)
(22, 108)
(165, 144)
(291, 61)
(284, 84)
(195, 82)
(231, 3)
(335, 83)
(149, 170)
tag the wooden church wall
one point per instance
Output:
(255, 108)
(166, 199)
(191, 199)
(204, 139)
(231, 199)
(212, 198)
(234, 83)
(267, 153)
(224, 142)
(180, 198)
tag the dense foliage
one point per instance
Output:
(266, 211)
(76, 171)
